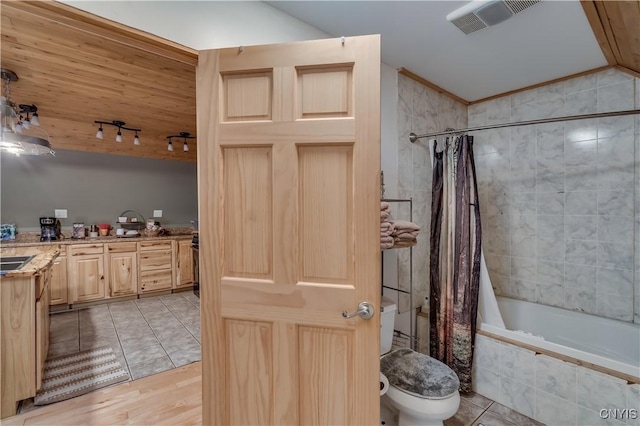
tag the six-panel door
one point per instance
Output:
(288, 175)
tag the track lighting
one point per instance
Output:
(183, 135)
(15, 119)
(120, 126)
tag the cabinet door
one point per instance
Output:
(184, 264)
(86, 277)
(58, 283)
(123, 274)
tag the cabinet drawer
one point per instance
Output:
(82, 249)
(121, 247)
(155, 260)
(154, 245)
(155, 280)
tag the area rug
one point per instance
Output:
(73, 375)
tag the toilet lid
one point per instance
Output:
(418, 374)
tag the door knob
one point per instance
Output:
(365, 311)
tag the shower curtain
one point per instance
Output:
(455, 257)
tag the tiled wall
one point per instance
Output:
(557, 199)
(549, 390)
(420, 110)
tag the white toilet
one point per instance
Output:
(423, 390)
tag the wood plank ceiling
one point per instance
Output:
(616, 25)
(77, 68)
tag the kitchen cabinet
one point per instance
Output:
(122, 267)
(156, 265)
(86, 273)
(24, 321)
(58, 284)
(184, 264)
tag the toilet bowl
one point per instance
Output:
(423, 390)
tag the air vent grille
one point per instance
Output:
(518, 6)
(469, 23)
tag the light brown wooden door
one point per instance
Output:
(122, 268)
(59, 287)
(86, 277)
(288, 177)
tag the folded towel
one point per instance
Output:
(385, 206)
(386, 234)
(401, 243)
(384, 215)
(386, 226)
(386, 239)
(386, 246)
(405, 235)
(404, 225)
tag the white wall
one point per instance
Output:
(206, 24)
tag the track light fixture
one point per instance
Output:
(14, 119)
(120, 126)
(182, 135)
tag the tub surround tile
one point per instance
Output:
(581, 252)
(615, 97)
(581, 178)
(581, 102)
(597, 391)
(522, 289)
(615, 255)
(550, 249)
(580, 276)
(550, 226)
(517, 396)
(580, 300)
(593, 418)
(486, 382)
(615, 281)
(615, 127)
(549, 294)
(517, 363)
(581, 202)
(617, 229)
(523, 246)
(614, 306)
(556, 377)
(550, 273)
(554, 411)
(581, 130)
(581, 227)
(488, 352)
(615, 203)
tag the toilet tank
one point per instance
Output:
(387, 320)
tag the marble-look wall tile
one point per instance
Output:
(554, 411)
(579, 179)
(615, 203)
(616, 281)
(633, 402)
(581, 202)
(485, 382)
(614, 306)
(585, 82)
(517, 396)
(597, 391)
(581, 227)
(517, 363)
(594, 418)
(615, 255)
(580, 276)
(615, 97)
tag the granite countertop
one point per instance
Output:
(44, 257)
(31, 239)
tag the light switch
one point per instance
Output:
(60, 213)
(157, 213)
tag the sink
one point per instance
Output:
(11, 263)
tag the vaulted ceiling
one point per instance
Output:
(78, 68)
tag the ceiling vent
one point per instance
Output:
(480, 14)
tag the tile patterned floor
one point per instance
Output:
(148, 335)
(475, 410)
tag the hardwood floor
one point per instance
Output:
(170, 398)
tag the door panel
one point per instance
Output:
(288, 172)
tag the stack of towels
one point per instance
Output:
(386, 227)
(404, 233)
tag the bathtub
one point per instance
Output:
(594, 342)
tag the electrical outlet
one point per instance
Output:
(157, 213)
(60, 213)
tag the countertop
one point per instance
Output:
(31, 239)
(44, 257)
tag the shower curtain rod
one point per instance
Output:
(413, 137)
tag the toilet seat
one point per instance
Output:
(419, 375)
